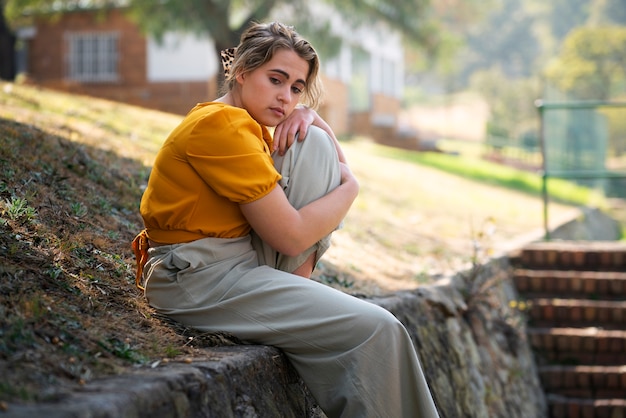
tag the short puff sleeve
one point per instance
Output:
(228, 151)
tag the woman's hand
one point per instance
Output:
(295, 124)
(298, 123)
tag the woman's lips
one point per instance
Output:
(278, 111)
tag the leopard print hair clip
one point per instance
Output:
(228, 56)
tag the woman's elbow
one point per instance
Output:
(292, 242)
(291, 248)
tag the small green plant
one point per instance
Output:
(54, 272)
(17, 209)
(78, 209)
(171, 352)
(120, 267)
(8, 173)
(422, 277)
(103, 204)
(479, 283)
(481, 241)
(10, 390)
(17, 335)
(14, 248)
(122, 350)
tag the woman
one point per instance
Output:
(234, 232)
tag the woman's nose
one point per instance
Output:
(285, 95)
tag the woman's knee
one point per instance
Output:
(378, 321)
(318, 140)
(310, 169)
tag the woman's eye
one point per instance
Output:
(296, 90)
(274, 80)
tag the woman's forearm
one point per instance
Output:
(322, 216)
(317, 219)
(291, 231)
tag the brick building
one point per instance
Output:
(103, 54)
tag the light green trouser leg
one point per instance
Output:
(356, 358)
(310, 170)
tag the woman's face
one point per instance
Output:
(271, 92)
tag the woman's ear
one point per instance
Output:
(240, 77)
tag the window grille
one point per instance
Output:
(92, 56)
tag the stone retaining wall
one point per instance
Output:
(471, 343)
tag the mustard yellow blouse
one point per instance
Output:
(215, 160)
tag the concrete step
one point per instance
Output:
(593, 382)
(578, 346)
(556, 312)
(570, 283)
(565, 407)
(573, 255)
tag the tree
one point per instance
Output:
(591, 64)
(563, 15)
(225, 20)
(505, 40)
(437, 69)
(511, 102)
(612, 12)
(7, 47)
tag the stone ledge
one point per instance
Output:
(469, 354)
(218, 385)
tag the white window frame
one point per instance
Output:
(92, 56)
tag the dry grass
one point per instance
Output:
(71, 176)
(411, 224)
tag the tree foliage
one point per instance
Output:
(413, 18)
(565, 15)
(509, 44)
(17, 10)
(206, 17)
(225, 20)
(450, 22)
(592, 63)
(511, 102)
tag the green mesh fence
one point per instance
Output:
(584, 141)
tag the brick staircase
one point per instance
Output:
(576, 298)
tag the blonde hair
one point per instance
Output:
(258, 45)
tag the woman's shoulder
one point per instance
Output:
(218, 113)
(215, 108)
(215, 120)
